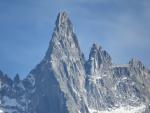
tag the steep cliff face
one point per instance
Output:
(113, 86)
(64, 82)
(99, 81)
(60, 77)
(99, 62)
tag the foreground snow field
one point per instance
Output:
(1, 111)
(128, 109)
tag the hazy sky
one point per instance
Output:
(122, 27)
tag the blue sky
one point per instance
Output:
(122, 27)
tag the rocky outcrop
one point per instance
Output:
(64, 82)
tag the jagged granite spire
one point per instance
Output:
(135, 63)
(62, 67)
(63, 21)
(99, 61)
(63, 38)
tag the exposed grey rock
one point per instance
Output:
(11, 95)
(60, 77)
(64, 82)
(99, 61)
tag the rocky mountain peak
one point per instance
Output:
(95, 50)
(63, 24)
(62, 18)
(99, 60)
(1, 73)
(65, 83)
(135, 63)
(17, 78)
(96, 47)
(63, 67)
(64, 41)
(98, 53)
(5, 79)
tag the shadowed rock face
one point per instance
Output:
(62, 68)
(64, 82)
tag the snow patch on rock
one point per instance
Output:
(127, 109)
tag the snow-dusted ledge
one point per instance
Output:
(128, 109)
(1, 111)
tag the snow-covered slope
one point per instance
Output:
(127, 109)
(65, 82)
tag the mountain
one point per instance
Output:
(65, 82)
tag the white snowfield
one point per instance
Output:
(1, 111)
(128, 109)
